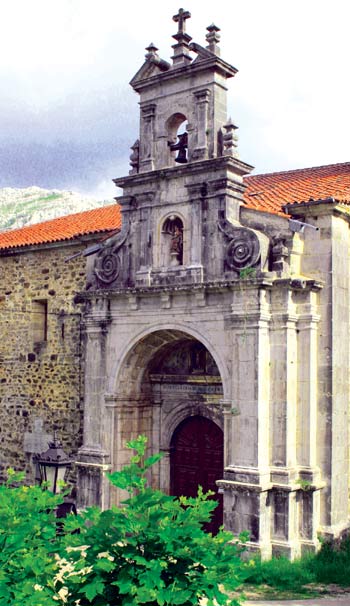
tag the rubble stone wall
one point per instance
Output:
(41, 382)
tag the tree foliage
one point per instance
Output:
(27, 539)
(150, 551)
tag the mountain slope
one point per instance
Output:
(20, 207)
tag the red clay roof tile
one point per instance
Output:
(267, 192)
(271, 191)
(94, 221)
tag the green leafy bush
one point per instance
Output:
(27, 540)
(151, 551)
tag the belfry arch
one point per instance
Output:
(164, 379)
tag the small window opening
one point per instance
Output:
(39, 321)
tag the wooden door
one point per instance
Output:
(197, 452)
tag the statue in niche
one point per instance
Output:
(176, 241)
(198, 359)
(176, 245)
(173, 229)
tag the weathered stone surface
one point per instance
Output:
(245, 289)
(198, 307)
(41, 383)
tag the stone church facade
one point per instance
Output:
(42, 341)
(215, 322)
(212, 328)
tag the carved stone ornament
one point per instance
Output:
(135, 158)
(107, 265)
(243, 249)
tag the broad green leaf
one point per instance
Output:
(91, 590)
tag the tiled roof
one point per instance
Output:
(106, 218)
(271, 191)
(268, 193)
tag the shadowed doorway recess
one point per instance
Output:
(197, 459)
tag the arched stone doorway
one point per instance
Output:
(166, 378)
(196, 458)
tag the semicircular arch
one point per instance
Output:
(182, 412)
(136, 356)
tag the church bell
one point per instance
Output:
(181, 157)
(181, 147)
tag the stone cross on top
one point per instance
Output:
(181, 49)
(180, 18)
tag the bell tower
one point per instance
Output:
(187, 93)
(182, 198)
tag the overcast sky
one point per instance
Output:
(68, 116)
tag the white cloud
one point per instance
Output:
(65, 65)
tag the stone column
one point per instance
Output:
(307, 439)
(124, 421)
(246, 478)
(307, 383)
(283, 382)
(110, 424)
(164, 471)
(284, 473)
(194, 243)
(250, 378)
(229, 411)
(92, 458)
(155, 438)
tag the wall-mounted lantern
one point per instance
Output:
(53, 464)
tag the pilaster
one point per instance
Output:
(246, 478)
(200, 152)
(249, 322)
(308, 320)
(148, 112)
(92, 458)
(283, 379)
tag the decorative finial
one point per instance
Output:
(181, 49)
(230, 139)
(151, 51)
(213, 38)
(135, 158)
(180, 18)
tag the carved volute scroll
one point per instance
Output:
(245, 248)
(243, 251)
(108, 264)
